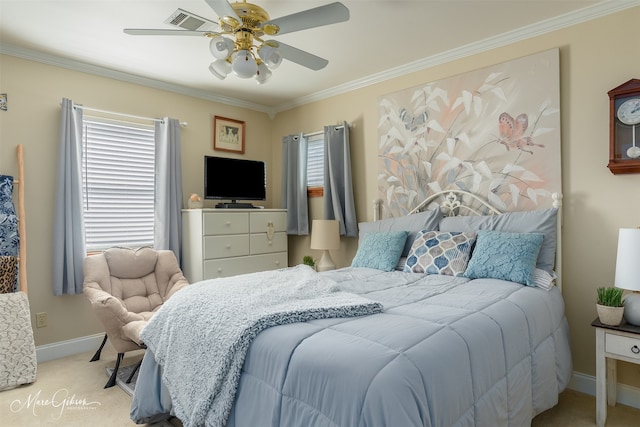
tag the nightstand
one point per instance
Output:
(612, 343)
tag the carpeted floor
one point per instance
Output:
(69, 392)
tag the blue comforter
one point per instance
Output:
(446, 351)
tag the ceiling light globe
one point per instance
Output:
(244, 64)
(221, 47)
(220, 68)
(263, 73)
(270, 55)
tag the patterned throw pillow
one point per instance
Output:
(7, 274)
(380, 250)
(505, 256)
(440, 252)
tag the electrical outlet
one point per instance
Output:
(41, 320)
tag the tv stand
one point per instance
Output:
(234, 205)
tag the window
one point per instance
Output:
(118, 183)
(315, 165)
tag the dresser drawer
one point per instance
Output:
(225, 223)
(251, 264)
(260, 221)
(623, 346)
(260, 243)
(226, 246)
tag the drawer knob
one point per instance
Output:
(219, 270)
(277, 262)
(228, 223)
(228, 246)
(635, 349)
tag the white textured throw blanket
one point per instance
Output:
(201, 335)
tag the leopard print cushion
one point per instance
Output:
(7, 274)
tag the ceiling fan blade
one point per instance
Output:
(162, 32)
(311, 18)
(222, 8)
(301, 57)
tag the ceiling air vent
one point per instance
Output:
(188, 21)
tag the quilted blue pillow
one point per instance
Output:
(440, 252)
(380, 250)
(505, 256)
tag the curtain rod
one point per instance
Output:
(131, 116)
(320, 132)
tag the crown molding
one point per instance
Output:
(573, 18)
(83, 67)
(563, 21)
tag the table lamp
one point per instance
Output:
(628, 272)
(325, 235)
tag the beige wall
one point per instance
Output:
(594, 57)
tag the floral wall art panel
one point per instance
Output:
(494, 132)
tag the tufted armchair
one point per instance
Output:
(126, 287)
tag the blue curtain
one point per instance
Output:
(294, 183)
(168, 186)
(338, 186)
(68, 221)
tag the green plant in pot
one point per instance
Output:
(609, 306)
(308, 260)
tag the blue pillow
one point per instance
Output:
(505, 256)
(538, 221)
(380, 250)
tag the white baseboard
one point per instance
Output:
(58, 350)
(627, 395)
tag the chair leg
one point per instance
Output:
(114, 374)
(135, 369)
(97, 355)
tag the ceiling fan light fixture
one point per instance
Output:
(220, 68)
(263, 73)
(221, 47)
(270, 55)
(236, 41)
(244, 64)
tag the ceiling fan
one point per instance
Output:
(237, 40)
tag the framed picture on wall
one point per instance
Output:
(228, 134)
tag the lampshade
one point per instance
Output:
(220, 68)
(221, 47)
(628, 260)
(263, 73)
(325, 234)
(628, 272)
(244, 64)
(270, 55)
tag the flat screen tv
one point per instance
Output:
(234, 179)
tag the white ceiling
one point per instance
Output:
(381, 39)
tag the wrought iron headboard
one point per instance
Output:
(460, 202)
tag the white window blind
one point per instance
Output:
(118, 184)
(315, 161)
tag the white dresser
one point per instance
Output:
(227, 242)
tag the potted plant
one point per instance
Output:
(308, 260)
(609, 306)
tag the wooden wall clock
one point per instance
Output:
(624, 128)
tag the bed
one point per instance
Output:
(467, 331)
